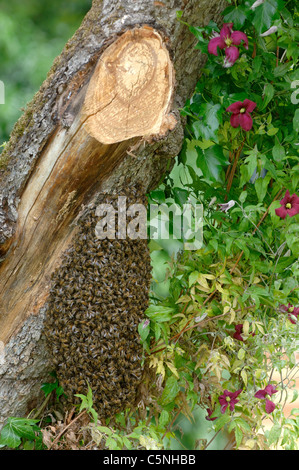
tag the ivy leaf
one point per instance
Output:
(9, 437)
(211, 161)
(17, 428)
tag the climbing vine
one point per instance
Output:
(225, 335)
(221, 331)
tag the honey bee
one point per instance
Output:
(97, 299)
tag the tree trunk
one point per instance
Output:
(106, 120)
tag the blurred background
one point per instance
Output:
(32, 34)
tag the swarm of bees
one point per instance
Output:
(98, 297)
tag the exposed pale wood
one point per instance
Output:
(130, 92)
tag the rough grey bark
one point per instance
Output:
(23, 362)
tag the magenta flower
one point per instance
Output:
(239, 331)
(228, 399)
(292, 311)
(228, 40)
(265, 394)
(237, 334)
(289, 206)
(210, 412)
(241, 114)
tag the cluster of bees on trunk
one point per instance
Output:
(98, 297)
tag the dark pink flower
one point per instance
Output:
(239, 331)
(292, 311)
(265, 394)
(289, 205)
(241, 114)
(210, 412)
(228, 399)
(237, 334)
(228, 40)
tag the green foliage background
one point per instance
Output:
(32, 34)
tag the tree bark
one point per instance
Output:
(105, 119)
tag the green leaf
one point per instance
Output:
(281, 70)
(158, 196)
(211, 162)
(180, 196)
(127, 443)
(29, 445)
(269, 166)
(9, 437)
(264, 15)
(296, 120)
(163, 418)
(209, 123)
(272, 130)
(48, 388)
(159, 313)
(235, 15)
(17, 428)
(243, 424)
(243, 196)
(292, 239)
(274, 434)
(238, 436)
(268, 95)
(111, 443)
(193, 277)
(278, 152)
(170, 391)
(261, 186)
(295, 396)
(143, 331)
(222, 421)
(105, 430)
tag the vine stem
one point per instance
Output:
(170, 425)
(67, 426)
(211, 440)
(231, 173)
(278, 195)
